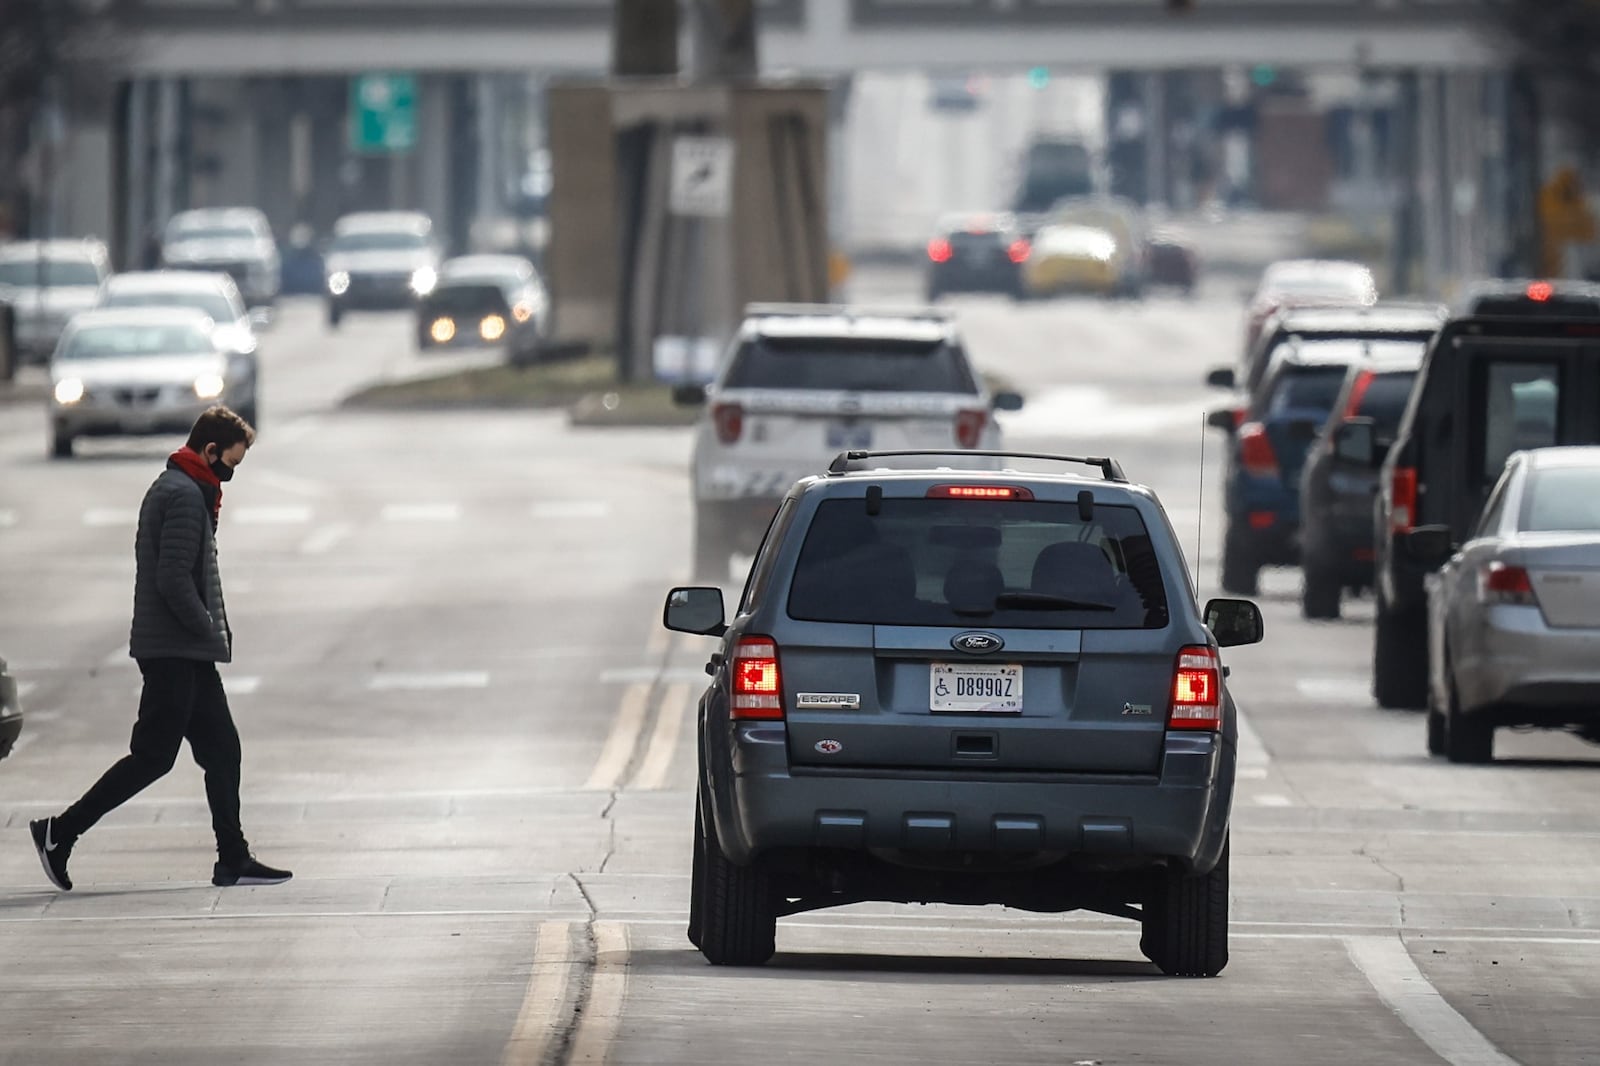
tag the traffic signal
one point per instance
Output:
(1038, 77)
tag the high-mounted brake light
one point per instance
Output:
(939, 250)
(1019, 250)
(1504, 584)
(1358, 392)
(757, 687)
(1196, 690)
(1403, 499)
(1255, 450)
(1540, 291)
(979, 492)
(969, 427)
(729, 421)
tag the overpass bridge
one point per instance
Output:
(812, 37)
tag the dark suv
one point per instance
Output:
(976, 253)
(968, 687)
(1336, 549)
(1383, 321)
(1488, 387)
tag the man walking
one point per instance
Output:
(180, 634)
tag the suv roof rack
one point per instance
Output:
(795, 310)
(1110, 469)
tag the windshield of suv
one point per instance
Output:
(1563, 499)
(121, 342)
(937, 562)
(854, 364)
(44, 273)
(212, 303)
(379, 242)
(213, 233)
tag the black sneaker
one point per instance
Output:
(249, 872)
(53, 853)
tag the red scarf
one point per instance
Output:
(194, 464)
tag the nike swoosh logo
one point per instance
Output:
(49, 828)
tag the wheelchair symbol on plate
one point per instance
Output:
(940, 688)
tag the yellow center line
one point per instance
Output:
(664, 739)
(624, 735)
(543, 1004)
(602, 1014)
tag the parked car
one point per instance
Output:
(1172, 261)
(10, 711)
(952, 686)
(383, 260)
(1336, 550)
(1514, 613)
(976, 253)
(1488, 387)
(1390, 320)
(46, 283)
(1307, 283)
(236, 241)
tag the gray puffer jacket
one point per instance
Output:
(178, 611)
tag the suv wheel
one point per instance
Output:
(60, 445)
(1467, 740)
(734, 910)
(1320, 594)
(1438, 721)
(335, 313)
(1241, 570)
(1399, 673)
(1185, 924)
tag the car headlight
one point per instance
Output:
(339, 282)
(442, 330)
(69, 391)
(209, 386)
(522, 312)
(492, 328)
(423, 280)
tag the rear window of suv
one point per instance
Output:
(993, 563)
(1306, 388)
(851, 364)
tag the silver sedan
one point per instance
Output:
(1514, 613)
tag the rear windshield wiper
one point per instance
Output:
(1043, 601)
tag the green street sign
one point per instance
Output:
(383, 113)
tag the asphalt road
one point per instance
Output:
(467, 734)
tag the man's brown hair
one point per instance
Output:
(219, 425)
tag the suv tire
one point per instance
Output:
(1467, 740)
(1185, 923)
(1320, 594)
(335, 313)
(1241, 570)
(734, 910)
(60, 445)
(1399, 674)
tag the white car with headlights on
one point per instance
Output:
(137, 372)
(380, 260)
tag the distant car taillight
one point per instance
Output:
(1019, 251)
(939, 250)
(757, 688)
(969, 427)
(729, 420)
(1358, 392)
(1403, 499)
(1255, 451)
(1504, 584)
(1196, 690)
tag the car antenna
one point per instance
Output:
(1200, 510)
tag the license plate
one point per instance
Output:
(973, 688)
(849, 435)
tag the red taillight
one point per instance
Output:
(939, 250)
(1541, 291)
(1403, 499)
(1255, 451)
(757, 689)
(729, 420)
(1500, 583)
(1263, 519)
(1019, 251)
(1358, 392)
(1196, 690)
(979, 492)
(969, 427)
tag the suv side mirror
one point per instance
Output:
(688, 395)
(1234, 622)
(1007, 401)
(695, 610)
(1221, 378)
(1224, 418)
(1355, 442)
(1430, 545)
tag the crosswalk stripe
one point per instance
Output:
(8, 518)
(110, 516)
(325, 539)
(421, 512)
(1335, 689)
(428, 682)
(570, 509)
(272, 516)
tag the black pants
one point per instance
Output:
(182, 699)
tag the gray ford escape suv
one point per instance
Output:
(970, 687)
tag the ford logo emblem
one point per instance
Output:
(977, 643)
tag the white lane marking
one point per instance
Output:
(629, 675)
(656, 643)
(608, 989)
(570, 509)
(421, 512)
(294, 430)
(1252, 753)
(8, 518)
(1252, 773)
(271, 516)
(663, 739)
(118, 657)
(241, 686)
(543, 1004)
(325, 539)
(1335, 689)
(297, 486)
(622, 738)
(1392, 972)
(26, 689)
(110, 516)
(428, 682)
(23, 741)
(1273, 799)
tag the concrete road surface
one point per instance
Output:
(466, 733)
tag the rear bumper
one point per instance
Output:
(1179, 815)
(1515, 663)
(1338, 545)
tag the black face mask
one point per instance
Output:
(223, 471)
